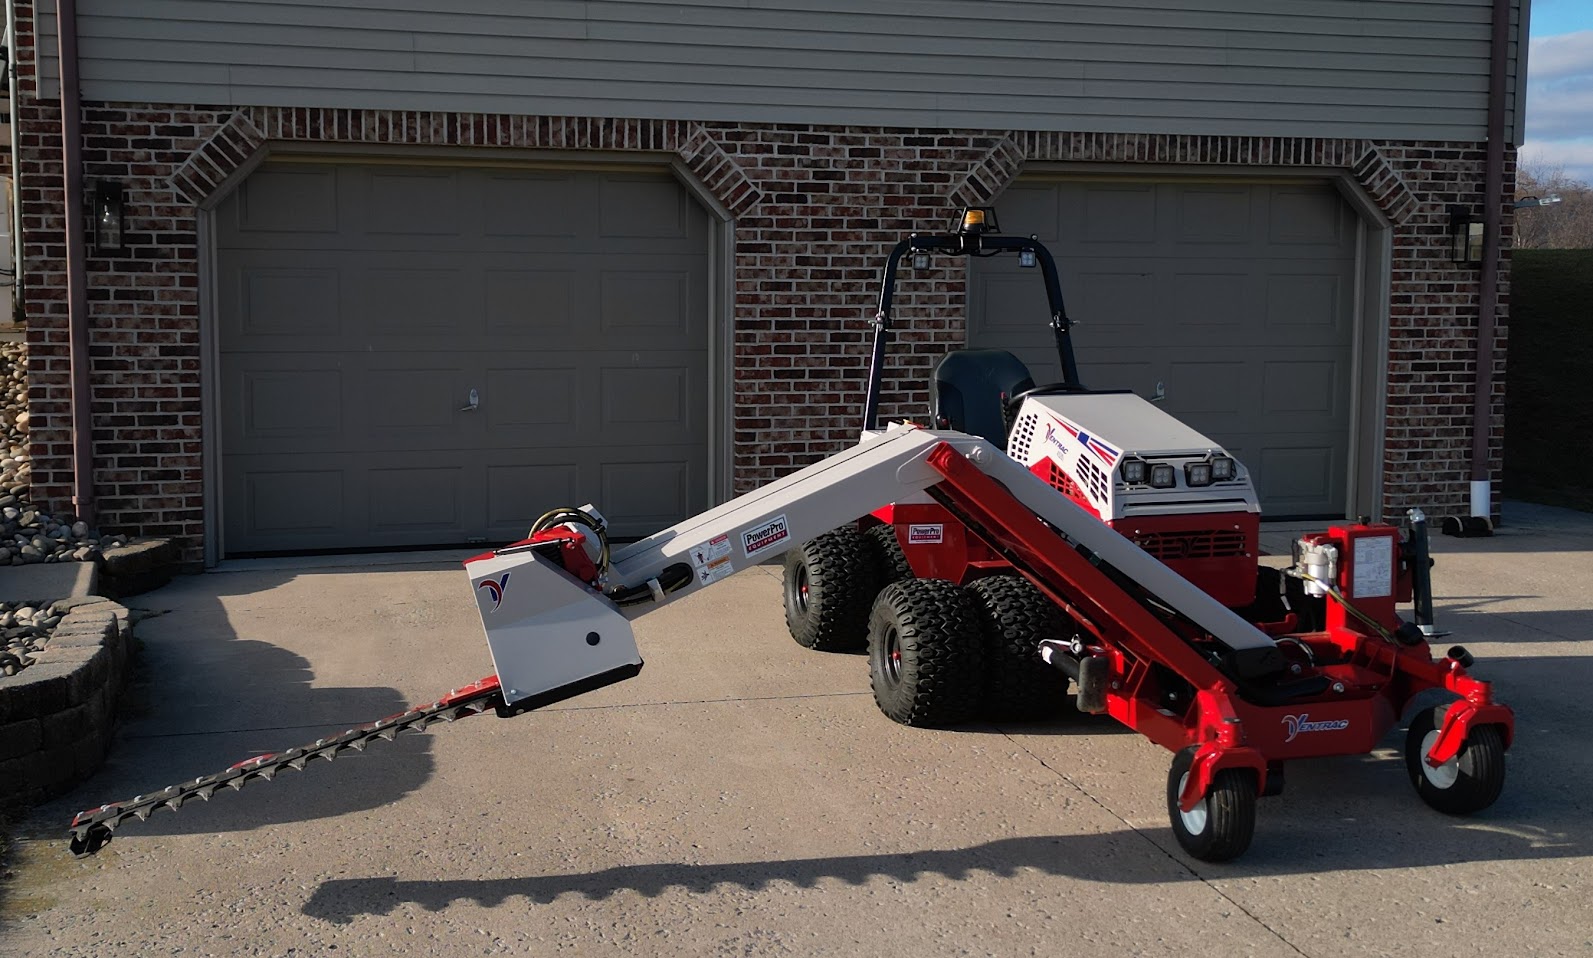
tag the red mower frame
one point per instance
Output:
(1367, 679)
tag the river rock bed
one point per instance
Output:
(25, 628)
(26, 534)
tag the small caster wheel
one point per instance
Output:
(1467, 783)
(1219, 829)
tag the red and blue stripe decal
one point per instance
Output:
(1106, 453)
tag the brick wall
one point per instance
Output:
(817, 211)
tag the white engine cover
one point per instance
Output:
(1087, 435)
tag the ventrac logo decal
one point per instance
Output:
(1296, 725)
(765, 537)
(1102, 451)
(495, 588)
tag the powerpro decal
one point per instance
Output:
(926, 534)
(765, 537)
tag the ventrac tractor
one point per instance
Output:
(1028, 549)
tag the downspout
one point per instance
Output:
(76, 268)
(16, 157)
(1488, 285)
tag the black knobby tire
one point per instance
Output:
(1220, 829)
(1467, 783)
(925, 657)
(886, 550)
(830, 584)
(1014, 617)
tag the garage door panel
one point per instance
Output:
(652, 403)
(418, 302)
(543, 205)
(1211, 299)
(1303, 479)
(1237, 297)
(1310, 305)
(411, 400)
(658, 302)
(1213, 215)
(417, 499)
(1110, 303)
(540, 401)
(576, 307)
(539, 302)
(654, 483)
(1030, 210)
(1135, 375)
(290, 405)
(413, 203)
(518, 494)
(283, 201)
(1213, 388)
(1313, 217)
(1304, 389)
(1114, 214)
(631, 207)
(275, 302)
(278, 503)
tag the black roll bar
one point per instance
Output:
(965, 244)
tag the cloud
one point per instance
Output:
(1561, 111)
(1566, 55)
(1575, 157)
(1560, 104)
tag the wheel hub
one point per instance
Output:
(1195, 819)
(1445, 775)
(893, 657)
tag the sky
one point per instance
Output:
(1560, 87)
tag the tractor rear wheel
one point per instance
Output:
(1467, 783)
(830, 584)
(1014, 617)
(889, 557)
(1219, 829)
(925, 659)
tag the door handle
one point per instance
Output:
(475, 400)
(1159, 396)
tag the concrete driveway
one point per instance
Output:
(744, 797)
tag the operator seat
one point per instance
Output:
(971, 388)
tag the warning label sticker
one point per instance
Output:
(1372, 575)
(765, 537)
(711, 560)
(926, 534)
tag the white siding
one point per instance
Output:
(1408, 69)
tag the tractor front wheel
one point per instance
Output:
(830, 583)
(1467, 783)
(926, 663)
(1218, 829)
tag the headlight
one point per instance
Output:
(1223, 469)
(1135, 471)
(1163, 476)
(1198, 473)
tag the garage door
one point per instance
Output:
(425, 356)
(1235, 300)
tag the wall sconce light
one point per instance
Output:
(108, 234)
(1465, 237)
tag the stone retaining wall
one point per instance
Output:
(56, 716)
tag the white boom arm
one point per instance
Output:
(552, 636)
